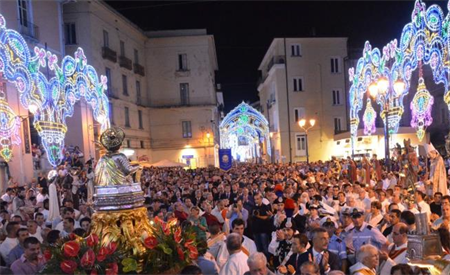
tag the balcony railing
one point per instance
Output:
(139, 69)
(125, 63)
(109, 54)
(30, 30)
(278, 59)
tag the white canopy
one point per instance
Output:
(168, 163)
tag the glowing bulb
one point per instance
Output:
(302, 123)
(32, 108)
(187, 146)
(208, 135)
(383, 85)
(312, 122)
(399, 87)
(271, 134)
(373, 90)
(101, 119)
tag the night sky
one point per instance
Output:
(243, 31)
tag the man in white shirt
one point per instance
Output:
(237, 261)
(8, 196)
(11, 240)
(67, 213)
(34, 230)
(397, 250)
(422, 206)
(248, 245)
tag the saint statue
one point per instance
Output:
(119, 201)
(447, 144)
(410, 166)
(437, 174)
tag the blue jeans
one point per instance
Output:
(262, 243)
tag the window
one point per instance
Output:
(109, 83)
(105, 39)
(70, 33)
(300, 145)
(337, 97)
(136, 56)
(182, 62)
(138, 90)
(128, 143)
(127, 117)
(296, 50)
(23, 12)
(186, 127)
(337, 124)
(141, 125)
(111, 113)
(124, 85)
(184, 93)
(335, 65)
(142, 144)
(298, 84)
(299, 113)
(122, 48)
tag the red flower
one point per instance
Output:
(177, 235)
(71, 249)
(88, 258)
(165, 228)
(72, 236)
(47, 255)
(157, 220)
(102, 253)
(92, 240)
(193, 252)
(180, 253)
(189, 243)
(112, 246)
(150, 242)
(94, 272)
(68, 266)
(112, 269)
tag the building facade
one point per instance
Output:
(304, 78)
(161, 84)
(115, 47)
(182, 94)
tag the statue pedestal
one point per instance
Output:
(127, 228)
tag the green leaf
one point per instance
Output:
(129, 264)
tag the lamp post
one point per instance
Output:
(382, 88)
(302, 124)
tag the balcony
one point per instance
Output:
(139, 69)
(278, 59)
(125, 63)
(30, 30)
(141, 102)
(109, 54)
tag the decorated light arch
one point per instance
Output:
(244, 125)
(51, 100)
(424, 41)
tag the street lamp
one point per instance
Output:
(381, 88)
(302, 124)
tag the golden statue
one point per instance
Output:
(118, 202)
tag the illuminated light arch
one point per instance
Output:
(424, 40)
(51, 100)
(244, 122)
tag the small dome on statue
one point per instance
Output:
(112, 138)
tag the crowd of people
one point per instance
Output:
(334, 217)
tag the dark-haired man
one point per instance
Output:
(11, 239)
(31, 261)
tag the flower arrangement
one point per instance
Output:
(168, 249)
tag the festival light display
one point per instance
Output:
(51, 100)
(9, 127)
(244, 125)
(424, 40)
(421, 109)
(369, 118)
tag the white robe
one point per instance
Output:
(53, 203)
(235, 265)
(223, 255)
